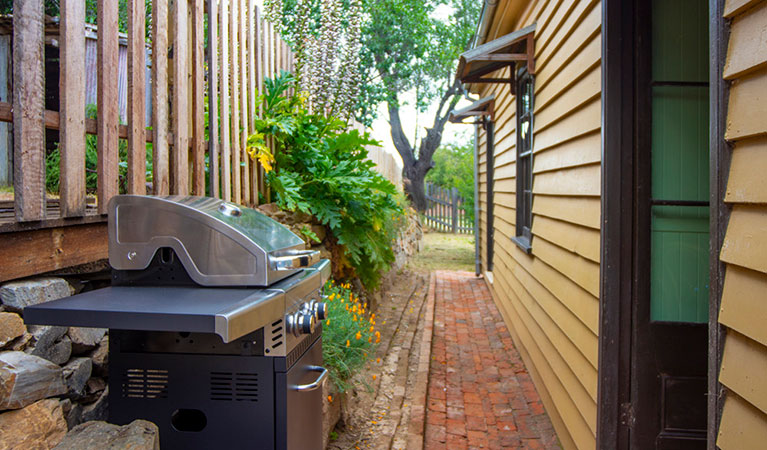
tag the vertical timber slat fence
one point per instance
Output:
(445, 212)
(188, 153)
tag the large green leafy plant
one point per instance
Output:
(323, 170)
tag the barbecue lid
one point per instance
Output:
(219, 243)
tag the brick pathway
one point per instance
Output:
(480, 394)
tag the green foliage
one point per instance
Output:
(407, 45)
(348, 334)
(413, 46)
(454, 167)
(324, 171)
(53, 159)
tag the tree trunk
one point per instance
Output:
(414, 186)
(415, 170)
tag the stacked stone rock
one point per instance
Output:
(53, 379)
(409, 240)
(298, 222)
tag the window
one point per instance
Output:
(679, 167)
(524, 89)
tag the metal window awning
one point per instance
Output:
(484, 107)
(474, 65)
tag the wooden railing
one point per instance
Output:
(445, 212)
(189, 156)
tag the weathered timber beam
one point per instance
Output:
(27, 253)
(503, 57)
(51, 119)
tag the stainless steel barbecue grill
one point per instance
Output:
(213, 315)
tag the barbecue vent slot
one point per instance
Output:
(277, 335)
(145, 383)
(234, 386)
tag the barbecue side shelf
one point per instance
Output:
(228, 312)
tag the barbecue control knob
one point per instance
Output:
(320, 310)
(305, 323)
(317, 309)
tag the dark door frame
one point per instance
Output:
(719, 163)
(618, 200)
(614, 415)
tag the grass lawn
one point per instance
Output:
(445, 251)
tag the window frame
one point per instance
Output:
(524, 150)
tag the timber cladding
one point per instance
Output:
(550, 297)
(743, 308)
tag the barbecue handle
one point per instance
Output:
(294, 259)
(316, 383)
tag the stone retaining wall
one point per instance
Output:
(51, 378)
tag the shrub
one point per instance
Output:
(323, 170)
(349, 335)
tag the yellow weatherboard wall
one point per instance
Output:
(744, 300)
(549, 298)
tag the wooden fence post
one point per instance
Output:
(198, 99)
(234, 86)
(454, 197)
(179, 173)
(72, 109)
(213, 81)
(225, 124)
(28, 106)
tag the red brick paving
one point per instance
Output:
(480, 394)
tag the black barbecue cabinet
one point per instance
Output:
(214, 324)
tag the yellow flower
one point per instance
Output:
(374, 377)
(370, 339)
(347, 343)
(266, 162)
(327, 322)
(378, 334)
(371, 328)
(378, 360)
(358, 336)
